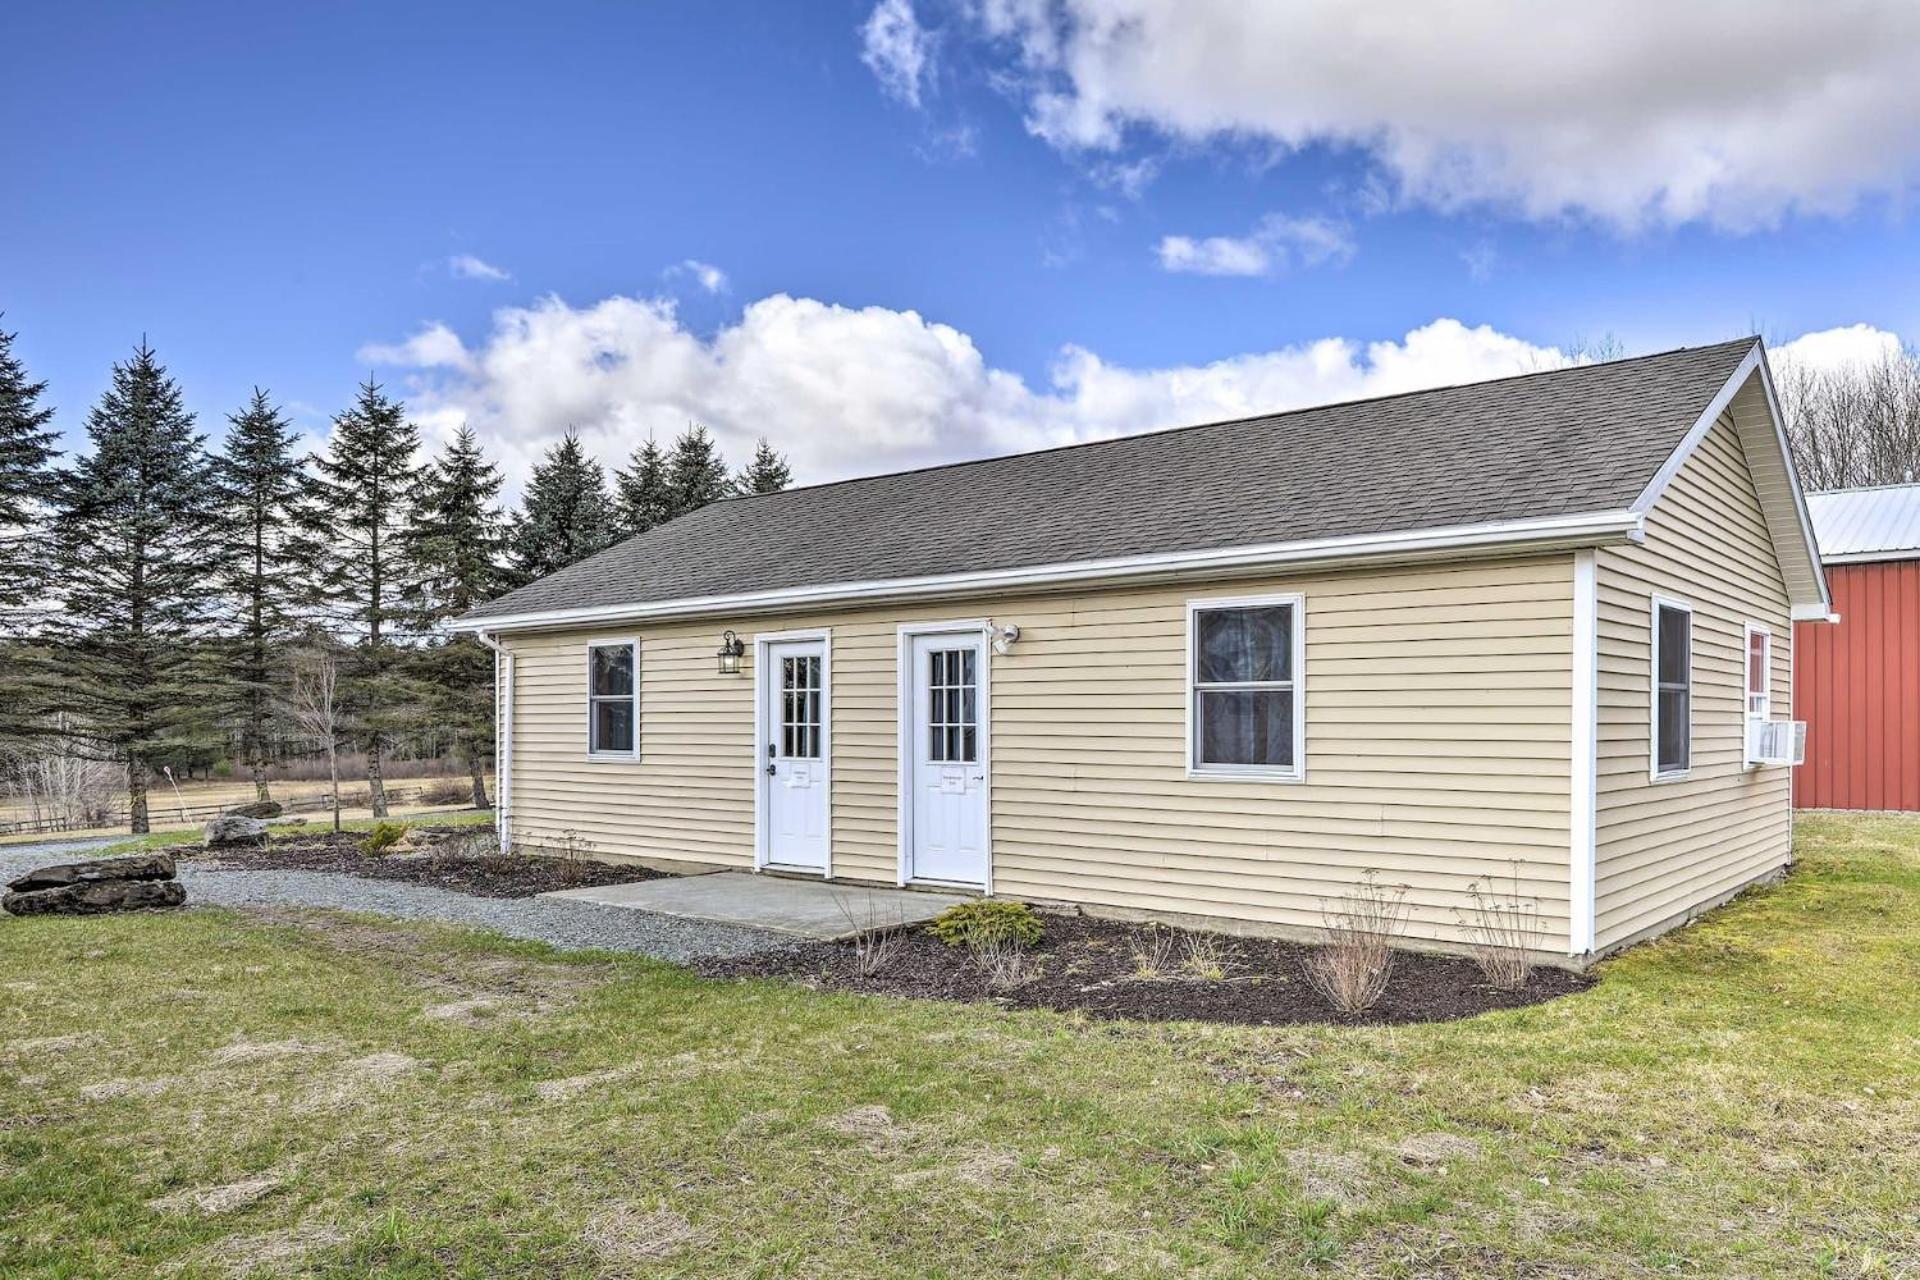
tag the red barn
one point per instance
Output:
(1857, 684)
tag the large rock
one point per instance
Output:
(143, 866)
(96, 897)
(258, 809)
(230, 831)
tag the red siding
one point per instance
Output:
(1857, 685)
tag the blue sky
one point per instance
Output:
(940, 229)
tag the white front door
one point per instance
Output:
(794, 755)
(948, 777)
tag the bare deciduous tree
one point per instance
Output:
(312, 704)
(1854, 424)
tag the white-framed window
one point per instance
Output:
(1246, 695)
(1672, 710)
(613, 700)
(1759, 682)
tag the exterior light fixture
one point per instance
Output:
(1003, 637)
(731, 649)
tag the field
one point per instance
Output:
(201, 798)
(215, 1094)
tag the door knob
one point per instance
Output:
(772, 768)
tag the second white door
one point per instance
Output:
(794, 756)
(948, 777)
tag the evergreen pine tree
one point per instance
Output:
(26, 482)
(567, 515)
(133, 531)
(459, 544)
(641, 499)
(260, 483)
(356, 513)
(696, 473)
(767, 473)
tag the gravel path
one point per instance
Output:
(563, 923)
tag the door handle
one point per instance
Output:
(772, 768)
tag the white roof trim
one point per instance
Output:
(1755, 362)
(1537, 534)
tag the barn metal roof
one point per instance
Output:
(1853, 525)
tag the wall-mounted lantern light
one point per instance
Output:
(1003, 636)
(731, 649)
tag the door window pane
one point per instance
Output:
(952, 706)
(800, 729)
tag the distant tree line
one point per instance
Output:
(1854, 424)
(162, 600)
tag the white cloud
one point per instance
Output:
(464, 266)
(1828, 350)
(1636, 112)
(434, 347)
(854, 391)
(897, 49)
(1277, 243)
(705, 274)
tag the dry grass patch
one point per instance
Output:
(623, 1236)
(212, 1201)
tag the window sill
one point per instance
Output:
(613, 757)
(1245, 775)
(1680, 776)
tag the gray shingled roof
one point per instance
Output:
(1574, 441)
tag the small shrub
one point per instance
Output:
(1208, 958)
(446, 791)
(1501, 928)
(1153, 952)
(1351, 970)
(986, 921)
(383, 837)
(1003, 959)
(874, 933)
(574, 852)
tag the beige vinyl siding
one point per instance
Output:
(1437, 748)
(1664, 848)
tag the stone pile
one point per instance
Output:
(92, 888)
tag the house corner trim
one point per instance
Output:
(1584, 757)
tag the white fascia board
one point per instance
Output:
(1755, 362)
(1872, 557)
(1544, 533)
(1813, 613)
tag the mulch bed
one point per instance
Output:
(495, 876)
(1088, 965)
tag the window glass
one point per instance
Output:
(1673, 689)
(612, 724)
(1238, 646)
(952, 706)
(1243, 688)
(1249, 727)
(612, 707)
(612, 670)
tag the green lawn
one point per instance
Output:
(211, 1094)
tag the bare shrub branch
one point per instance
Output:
(1351, 969)
(873, 935)
(1502, 929)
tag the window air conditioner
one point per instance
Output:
(1777, 742)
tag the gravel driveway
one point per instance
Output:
(567, 924)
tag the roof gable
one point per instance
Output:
(1536, 451)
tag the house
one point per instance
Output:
(1857, 684)
(1511, 632)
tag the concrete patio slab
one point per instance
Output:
(802, 908)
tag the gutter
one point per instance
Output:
(503, 668)
(1509, 537)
